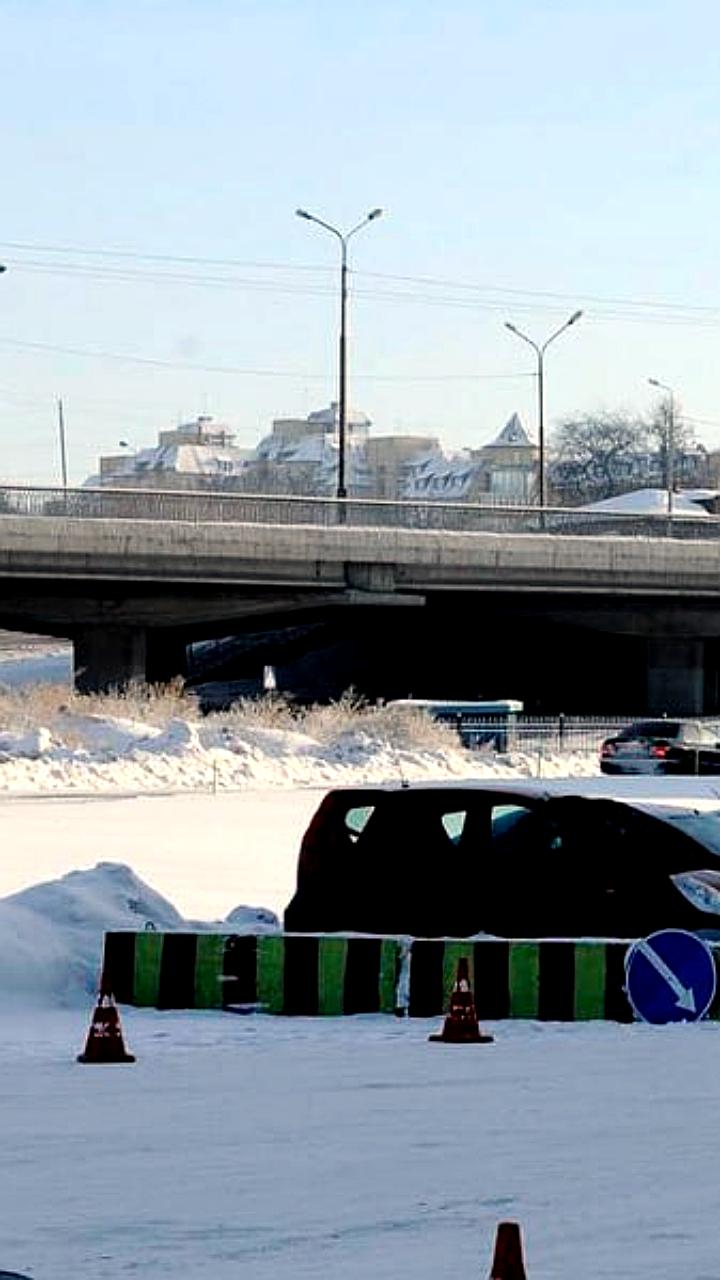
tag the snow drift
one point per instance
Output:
(51, 935)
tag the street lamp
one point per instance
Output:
(540, 353)
(670, 442)
(343, 237)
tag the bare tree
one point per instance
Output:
(595, 456)
(666, 430)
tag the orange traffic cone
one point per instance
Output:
(507, 1263)
(461, 1024)
(105, 1038)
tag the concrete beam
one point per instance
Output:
(415, 560)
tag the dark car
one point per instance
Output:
(522, 860)
(662, 746)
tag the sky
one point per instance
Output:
(531, 158)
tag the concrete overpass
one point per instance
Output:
(132, 585)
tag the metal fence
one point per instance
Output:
(548, 735)
(196, 507)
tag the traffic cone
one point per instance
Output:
(461, 1024)
(507, 1263)
(105, 1038)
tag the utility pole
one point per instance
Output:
(669, 442)
(63, 450)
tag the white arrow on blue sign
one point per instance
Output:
(670, 977)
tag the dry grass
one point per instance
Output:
(39, 705)
(397, 726)
(32, 706)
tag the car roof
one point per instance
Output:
(688, 795)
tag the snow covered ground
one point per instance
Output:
(291, 1149)
(295, 1150)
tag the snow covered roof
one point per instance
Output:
(647, 502)
(701, 495)
(513, 434)
(435, 476)
(192, 459)
(315, 448)
(329, 416)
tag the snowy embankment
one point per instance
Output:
(78, 751)
(52, 741)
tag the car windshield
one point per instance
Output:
(651, 729)
(703, 827)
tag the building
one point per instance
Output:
(501, 472)
(300, 457)
(194, 455)
(509, 464)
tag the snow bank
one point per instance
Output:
(89, 752)
(52, 741)
(51, 935)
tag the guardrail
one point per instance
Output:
(196, 507)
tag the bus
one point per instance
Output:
(478, 724)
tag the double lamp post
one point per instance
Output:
(540, 350)
(343, 238)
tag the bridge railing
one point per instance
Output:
(192, 506)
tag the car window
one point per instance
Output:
(454, 824)
(504, 817)
(357, 819)
(708, 736)
(703, 827)
(651, 729)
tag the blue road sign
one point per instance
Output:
(670, 977)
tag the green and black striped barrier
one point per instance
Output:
(293, 974)
(309, 975)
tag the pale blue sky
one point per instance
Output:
(553, 155)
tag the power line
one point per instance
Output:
(162, 257)
(298, 375)
(707, 319)
(426, 281)
(600, 300)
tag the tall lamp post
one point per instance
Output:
(670, 443)
(343, 237)
(540, 350)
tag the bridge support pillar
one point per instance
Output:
(108, 658)
(675, 676)
(166, 655)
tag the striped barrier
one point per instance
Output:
(308, 975)
(295, 974)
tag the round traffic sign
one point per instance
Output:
(670, 977)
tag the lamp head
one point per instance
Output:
(2, 268)
(575, 316)
(303, 213)
(510, 326)
(653, 382)
(374, 213)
